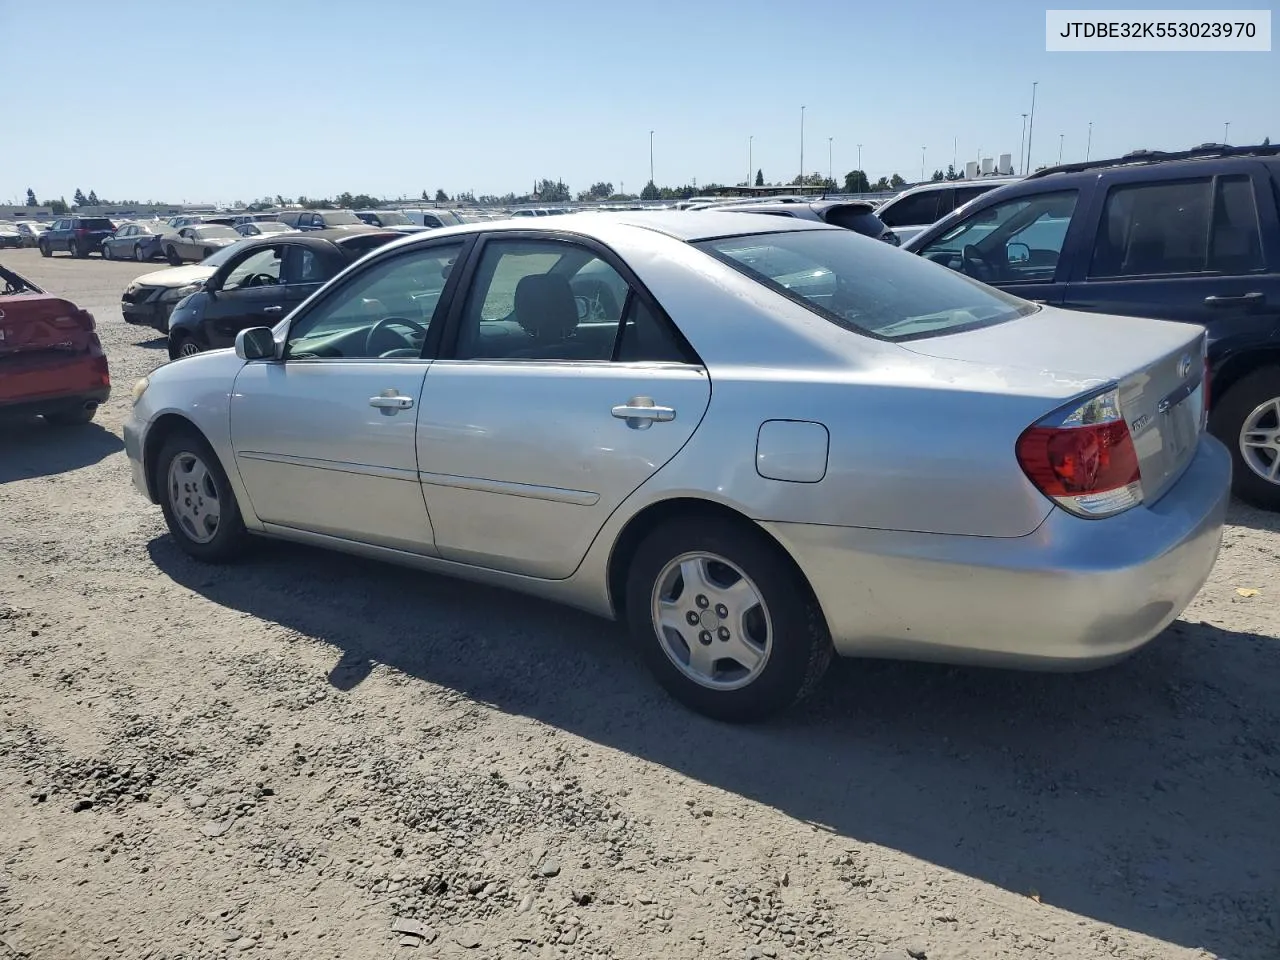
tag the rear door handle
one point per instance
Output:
(1244, 299)
(272, 309)
(394, 401)
(642, 413)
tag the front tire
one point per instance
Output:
(724, 620)
(183, 345)
(172, 256)
(199, 505)
(1247, 420)
(106, 253)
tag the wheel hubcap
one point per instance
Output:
(711, 621)
(1260, 440)
(189, 348)
(193, 497)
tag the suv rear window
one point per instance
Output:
(864, 286)
(97, 223)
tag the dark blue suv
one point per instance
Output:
(1192, 236)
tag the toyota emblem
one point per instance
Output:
(1184, 366)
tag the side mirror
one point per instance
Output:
(256, 343)
(1017, 252)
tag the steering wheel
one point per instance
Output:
(972, 264)
(370, 341)
(260, 280)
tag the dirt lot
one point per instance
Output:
(291, 755)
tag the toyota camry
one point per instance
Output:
(756, 441)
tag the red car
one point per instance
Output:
(51, 360)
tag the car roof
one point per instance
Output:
(687, 225)
(994, 182)
(1185, 159)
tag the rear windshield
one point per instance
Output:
(857, 217)
(97, 223)
(865, 285)
(337, 218)
(212, 233)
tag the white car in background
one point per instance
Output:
(918, 207)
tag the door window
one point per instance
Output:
(548, 300)
(1235, 245)
(383, 312)
(913, 210)
(1151, 229)
(1015, 241)
(261, 268)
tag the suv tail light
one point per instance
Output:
(1082, 457)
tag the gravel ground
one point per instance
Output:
(317, 756)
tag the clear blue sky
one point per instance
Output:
(156, 99)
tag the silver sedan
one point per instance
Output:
(196, 242)
(757, 442)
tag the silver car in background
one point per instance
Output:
(197, 242)
(756, 440)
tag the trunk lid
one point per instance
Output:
(1158, 366)
(40, 323)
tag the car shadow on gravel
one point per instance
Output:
(154, 343)
(1244, 515)
(29, 448)
(1143, 795)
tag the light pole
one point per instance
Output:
(922, 153)
(1088, 146)
(1022, 149)
(860, 160)
(1061, 137)
(1031, 126)
(750, 165)
(802, 148)
(651, 156)
(1226, 129)
(831, 178)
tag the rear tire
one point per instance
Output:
(172, 256)
(71, 416)
(78, 250)
(137, 253)
(193, 488)
(208, 252)
(1250, 411)
(44, 249)
(758, 601)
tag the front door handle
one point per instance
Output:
(642, 413)
(1243, 300)
(276, 309)
(392, 401)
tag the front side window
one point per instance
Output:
(1019, 240)
(866, 287)
(261, 268)
(542, 300)
(383, 312)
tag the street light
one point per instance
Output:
(1031, 126)
(1022, 149)
(922, 152)
(802, 148)
(1061, 137)
(750, 165)
(1226, 129)
(651, 156)
(1089, 143)
(830, 167)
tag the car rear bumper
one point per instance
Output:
(1074, 594)
(31, 383)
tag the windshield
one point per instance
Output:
(866, 286)
(220, 257)
(271, 227)
(393, 218)
(339, 218)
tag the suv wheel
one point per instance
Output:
(1247, 420)
(44, 249)
(78, 250)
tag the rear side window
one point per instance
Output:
(1184, 227)
(913, 210)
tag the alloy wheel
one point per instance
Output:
(193, 497)
(1260, 440)
(711, 621)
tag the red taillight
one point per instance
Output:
(1083, 458)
